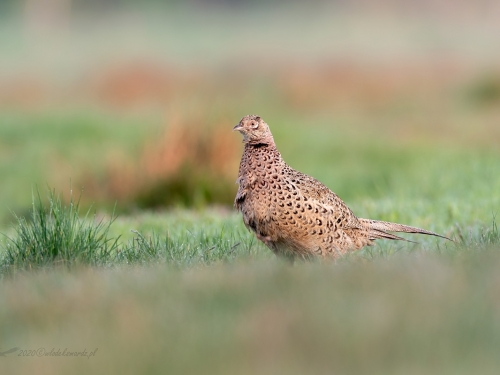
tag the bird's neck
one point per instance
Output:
(256, 147)
(261, 151)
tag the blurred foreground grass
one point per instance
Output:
(414, 314)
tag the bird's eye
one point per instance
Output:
(255, 125)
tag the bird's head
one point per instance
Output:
(254, 130)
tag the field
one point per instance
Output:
(120, 239)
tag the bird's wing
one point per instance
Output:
(325, 200)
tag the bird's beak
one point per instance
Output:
(237, 127)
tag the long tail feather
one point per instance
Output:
(374, 234)
(380, 228)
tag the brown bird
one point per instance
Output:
(294, 214)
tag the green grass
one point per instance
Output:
(413, 314)
(193, 291)
(55, 235)
(184, 291)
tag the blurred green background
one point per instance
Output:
(124, 99)
(393, 105)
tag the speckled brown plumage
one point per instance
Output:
(294, 214)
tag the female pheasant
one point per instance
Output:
(294, 214)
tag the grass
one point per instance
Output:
(411, 314)
(207, 297)
(57, 236)
(192, 291)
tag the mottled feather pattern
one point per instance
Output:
(294, 214)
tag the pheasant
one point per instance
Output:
(294, 214)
